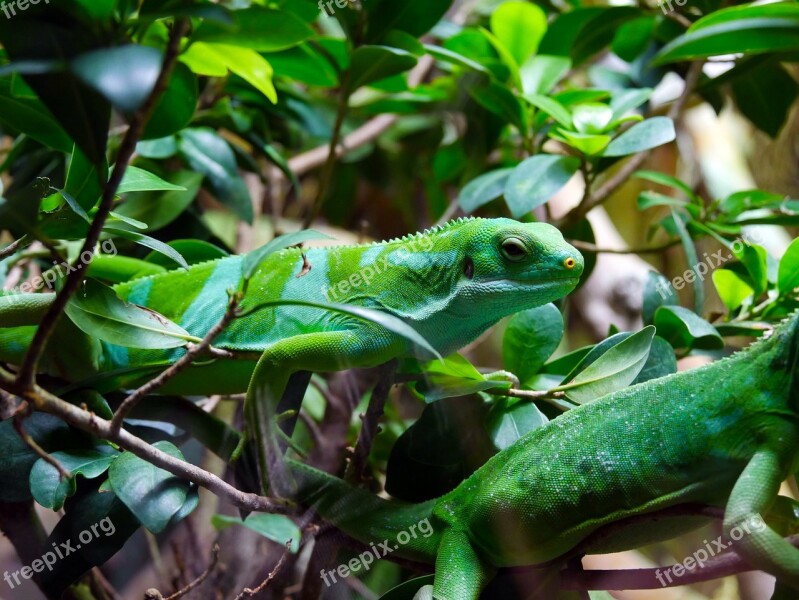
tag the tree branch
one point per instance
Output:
(27, 373)
(366, 437)
(91, 423)
(184, 361)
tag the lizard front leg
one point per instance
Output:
(323, 351)
(751, 497)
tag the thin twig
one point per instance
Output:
(85, 421)
(366, 437)
(12, 247)
(184, 361)
(632, 165)
(588, 247)
(729, 563)
(154, 594)
(27, 373)
(22, 413)
(366, 133)
(249, 593)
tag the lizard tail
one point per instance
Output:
(406, 530)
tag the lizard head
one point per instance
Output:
(510, 266)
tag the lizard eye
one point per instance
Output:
(514, 249)
(468, 268)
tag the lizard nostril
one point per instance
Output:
(569, 263)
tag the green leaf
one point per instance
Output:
(47, 486)
(731, 288)
(192, 251)
(626, 100)
(19, 210)
(453, 377)
(765, 96)
(258, 28)
(498, 99)
(483, 189)
(647, 199)
(693, 260)
(158, 209)
(176, 107)
(125, 75)
(738, 202)
(148, 242)
(657, 292)
(254, 258)
(614, 370)
(414, 17)
(31, 117)
(154, 496)
(214, 60)
(93, 511)
(591, 118)
(788, 275)
(541, 73)
(633, 37)
(80, 110)
(454, 58)
(139, 180)
(17, 458)
(642, 136)
(445, 445)
(661, 361)
(584, 31)
(683, 328)
(755, 259)
(552, 107)
(211, 155)
(666, 180)
(588, 144)
(85, 182)
(536, 179)
(99, 312)
(278, 528)
(520, 27)
(373, 63)
(749, 29)
(511, 419)
(530, 339)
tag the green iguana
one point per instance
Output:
(449, 283)
(723, 435)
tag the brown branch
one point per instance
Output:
(91, 423)
(729, 563)
(588, 247)
(22, 413)
(377, 404)
(12, 247)
(184, 361)
(366, 133)
(153, 594)
(632, 165)
(27, 373)
(249, 593)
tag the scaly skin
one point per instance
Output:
(450, 284)
(722, 435)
